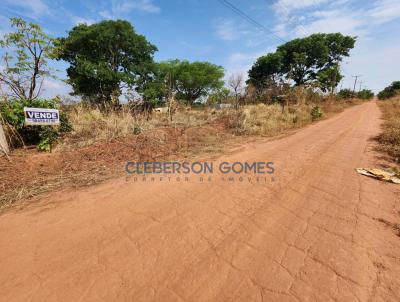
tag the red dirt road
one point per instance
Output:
(319, 232)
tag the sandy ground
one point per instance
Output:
(318, 232)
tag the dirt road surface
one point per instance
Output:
(319, 232)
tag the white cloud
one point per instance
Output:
(32, 8)
(337, 20)
(146, 6)
(385, 11)
(285, 7)
(304, 17)
(122, 7)
(240, 62)
(229, 30)
(376, 64)
(81, 20)
(51, 88)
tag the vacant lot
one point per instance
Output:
(101, 143)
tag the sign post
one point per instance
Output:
(41, 116)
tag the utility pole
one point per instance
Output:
(355, 81)
(361, 82)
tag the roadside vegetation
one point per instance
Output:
(389, 140)
(126, 106)
(391, 91)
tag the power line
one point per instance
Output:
(297, 21)
(361, 82)
(250, 19)
(355, 81)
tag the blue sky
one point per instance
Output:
(208, 31)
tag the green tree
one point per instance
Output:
(365, 94)
(266, 68)
(390, 91)
(188, 81)
(302, 58)
(197, 79)
(305, 60)
(104, 58)
(346, 94)
(219, 96)
(158, 85)
(329, 77)
(26, 53)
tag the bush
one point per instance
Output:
(42, 136)
(390, 91)
(365, 94)
(316, 113)
(389, 139)
(346, 94)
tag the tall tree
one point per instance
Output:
(329, 77)
(197, 79)
(27, 51)
(189, 81)
(104, 58)
(305, 60)
(301, 58)
(266, 68)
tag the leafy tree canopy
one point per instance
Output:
(304, 61)
(346, 94)
(390, 91)
(365, 94)
(329, 77)
(197, 79)
(104, 58)
(188, 81)
(26, 52)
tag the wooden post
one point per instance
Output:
(3, 141)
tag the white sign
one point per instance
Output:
(41, 116)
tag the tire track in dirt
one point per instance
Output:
(314, 234)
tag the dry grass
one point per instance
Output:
(265, 119)
(269, 120)
(90, 125)
(389, 140)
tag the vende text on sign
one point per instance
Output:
(41, 116)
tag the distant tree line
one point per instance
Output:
(109, 59)
(364, 94)
(391, 91)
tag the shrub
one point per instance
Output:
(365, 94)
(42, 136)
(346, 94)
(390, 91)
(264, 119)
(389, 139)
(316, 113)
